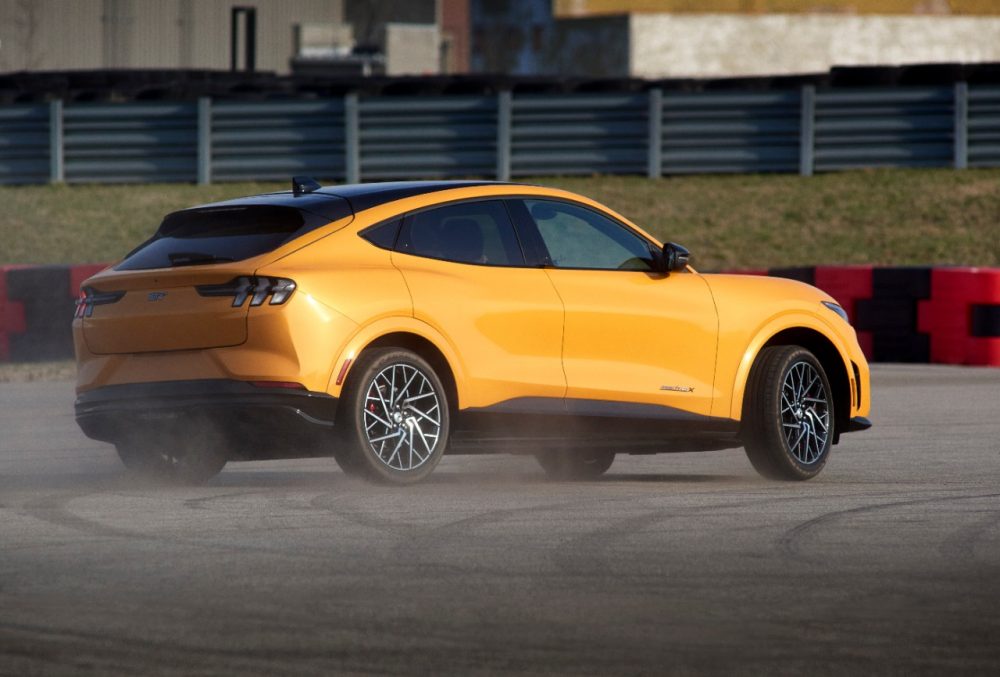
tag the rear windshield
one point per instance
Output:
(219, 235)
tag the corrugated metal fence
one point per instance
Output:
(357, 138)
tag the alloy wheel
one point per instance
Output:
(402, 417)
(805, 413)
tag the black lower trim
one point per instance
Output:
(111, 412)
(858, 423)
(527, 424)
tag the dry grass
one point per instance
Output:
(881, 217)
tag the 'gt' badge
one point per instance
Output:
(156, 295)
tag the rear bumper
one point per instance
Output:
(111, 412)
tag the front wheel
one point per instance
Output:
(575, 464)
(396, 413)
(788, 414)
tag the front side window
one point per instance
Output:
(469, 232)
(577, 237)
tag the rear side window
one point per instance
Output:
(469, 232)
(220, 234)
(383, 235)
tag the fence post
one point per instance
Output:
(505, 106)
(654, 140)
(961, 125)
(204, 141)
(352, 138)
(807, 130)
(57, 167)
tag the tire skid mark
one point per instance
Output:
(790, 542)
(200, 502)
(414, 548)
(53, 510)
(365, 519)
(963, 541)
(140, 649)
(600, 540)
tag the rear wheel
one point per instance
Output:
(190, 461)
(575, 464)
(788, 414)
(396, 413)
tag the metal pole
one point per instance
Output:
(654, 141)
(961, 125)
(352, 138)
(204, 141)
(807, 130)
(505, 105)
(57, 167)
(234, 27)
(251, 39)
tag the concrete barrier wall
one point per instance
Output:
(902, 314)
(719, 45)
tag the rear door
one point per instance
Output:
(178, 290)
(467, 276)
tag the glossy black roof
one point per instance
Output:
(363, 196)
(337, 202)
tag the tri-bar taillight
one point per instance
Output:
(254, 287)
(90, 297)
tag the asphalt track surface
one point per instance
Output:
(888, 563)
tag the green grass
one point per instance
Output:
(880, 216)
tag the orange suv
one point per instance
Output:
(386, 324)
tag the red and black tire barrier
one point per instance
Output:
(11, 315)
(36, 310)
(43, 295)
(851, 286)
(914, 313)
(962, 316)
(890, 314)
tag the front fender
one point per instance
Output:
(771, 328)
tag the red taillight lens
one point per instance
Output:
(257, 289)
(90, 297)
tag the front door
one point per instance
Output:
(636, 341)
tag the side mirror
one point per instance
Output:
(675, 257)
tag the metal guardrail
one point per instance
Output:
(355, 138)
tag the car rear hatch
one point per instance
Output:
(185, 288)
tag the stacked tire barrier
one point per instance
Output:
(36, 309)
(942, 315)
(901, 314)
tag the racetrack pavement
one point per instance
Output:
(887, 563)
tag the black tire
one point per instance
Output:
(385, 439)
(194, 460)
(575, 464)
(783, 422)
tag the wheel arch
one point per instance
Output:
(829, 356)
(405, 333)
(427, 350)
